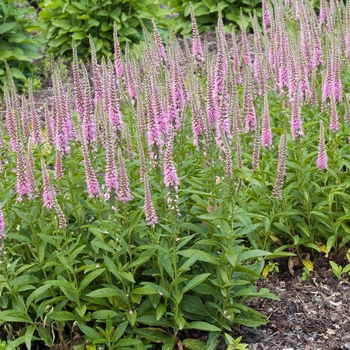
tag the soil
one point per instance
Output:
(311, 315)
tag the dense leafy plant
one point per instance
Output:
(206, 12)
(17, 46)
(149, 208)
(66, 20)
(156, 250)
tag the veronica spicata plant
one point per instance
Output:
(147, 208)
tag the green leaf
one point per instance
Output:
(202, 256)
(195, 282)
(119, 332)
(78, 35)
(89, 278)
(62, 23)
(144, 291)
(193, 344)
(13, 316)
(89, 332)
(15, 343)
(6, 27)
(79, 5)
(161, 309)
(152, 321)
(151, 335)
(90, 23)
(145, 256)
(38, 292)
(62, 316)
(28, 337)
(24, 279)
(103, 314)
(161, 290)
(123, 343)
(193, 305)
(252, 254)
(106, 293)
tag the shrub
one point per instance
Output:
(18, 47)
(206, 12)
(65, 20)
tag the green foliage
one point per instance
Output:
(206, 12)
(66, 20)
(17, 46)
(123, 283)
(339, 270)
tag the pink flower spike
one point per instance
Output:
(277, 190)
(23, 184)
(46, 195)
(322, 159)
(124, 194)
(170, 173)
(266, 133)
(197, 50)
(151, 216)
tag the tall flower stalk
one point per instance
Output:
(277, 190)
(322, 159)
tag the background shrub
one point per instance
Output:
(206, 12)
(65, 20)
(18, 47)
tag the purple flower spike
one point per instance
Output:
(197, 50)
(170, 173)
(151, 216)
(46, 195)
(124, 194)
(266, 133)
(322, 159)
(277, 190)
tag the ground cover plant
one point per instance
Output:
(145, 206)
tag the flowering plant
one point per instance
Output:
(148, 204)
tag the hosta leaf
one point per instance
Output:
(78, 35)
(62, 23)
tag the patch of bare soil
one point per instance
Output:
(311, 315)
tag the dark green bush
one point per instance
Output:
(65, 20)
(206, 12)
(18, 47)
